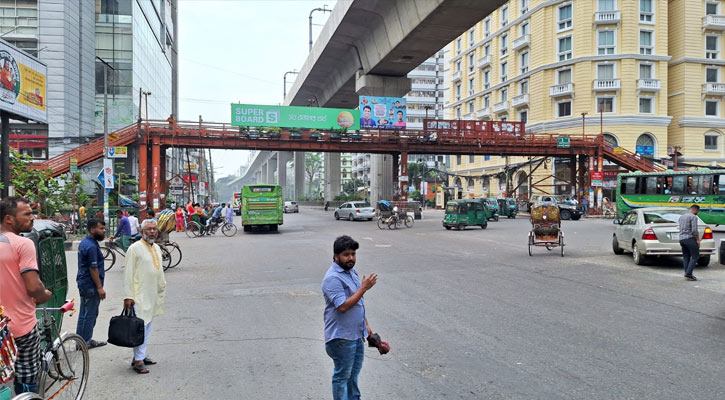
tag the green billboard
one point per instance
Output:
(294, 117)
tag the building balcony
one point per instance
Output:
(607, 17)
(469, 117)
(520, 100)
(484, 61)
(652, 85)
(422, 86)
(456, 76)
(606, 84)
(714, 22)
(413, 112)
(484, 113)
(713, 89)
(422, 100)
(522, 42)
(564, 89)
(501, 107)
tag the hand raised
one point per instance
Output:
(369, 281)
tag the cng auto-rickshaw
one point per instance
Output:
(463, 213)
(492, 204)
(507, 207)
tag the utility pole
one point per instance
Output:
(284, 83)
(106, 160)
(323, 9)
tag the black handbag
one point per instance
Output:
(126, 330)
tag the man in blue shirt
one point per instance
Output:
(345, 321)
(90, 280)
(123, 230)
(217, 214)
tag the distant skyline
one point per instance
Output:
(238, 51)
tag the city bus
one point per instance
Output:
(262, 206)
(704, 187)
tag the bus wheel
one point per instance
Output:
(273, 228)
(247, 228)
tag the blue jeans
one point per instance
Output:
(88, 314)
(347, 356)
(690, 254)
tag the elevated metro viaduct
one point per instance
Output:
(153, 137)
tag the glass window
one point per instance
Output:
(504, 15)
(458, 112)
(458, 91)
(487, 50)
(605, 104)
(524, 86)
(711, 74)
(523, 116)
(645, 11)
(458, 160)
(504, 71)
(711, 108)
(563, 109)
(471, 62)
(471, 159)
(607, 5)
(645, 105)
(471, 37)
(471, 87)
(712, 46)
(679, 184)
(486, 27)
(711, 141)
(564, 20)
(504, 44)
(524, 62)
(470, 106)
(486, 101)
(646, 44)
(631, 185)
(563, 76)
(712, 8)
(486, 78)
(651, 185)
(458, 45)
(458, 66)
(605, 42)
(565, 48)
(645, 71)
(524, 28)
(504, 94)
(524, 6)
(605, 71)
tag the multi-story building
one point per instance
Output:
(345, 168)
(557, 64)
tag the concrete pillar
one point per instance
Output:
(379, 85)
(271, 167)
(282, 158)
(299, 175)
(381, 177)
(264, 172)
(332, 176)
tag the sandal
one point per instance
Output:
(140, 368)
(146, 361)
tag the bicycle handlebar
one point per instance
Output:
(68, 306)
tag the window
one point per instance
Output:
(471, 87)
(605, 71)
(523, 116)
(606, 5)
(645, 105)
(458, 160)
(471, 62)
(645, 145)
(486, 27)
(605, 104)
(471, 37)
(524, 86)
(565, 48)
(646, 44)
(471, 159)
(645, 71)
(712, 74)
(564, 17)
(470, 106)
(504, 94)
(487, 50)
(486, 101)
(524, 28)
(524, 6)
(458, 92)
(486, 79)
(458, 45)
(711, 141)
(458, 66)
(563, 76)
(645, 11)
(712, 8)
(504, 71)
(524, 62)
(504, 15)
(712, 46)
(606, 42)
(458, 114)
(563, 109)
(712, 108)
(503, 118)
(504, 44)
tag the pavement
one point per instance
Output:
(468, 314)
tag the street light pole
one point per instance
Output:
(284, 83)
(106, 66)
(323, 9)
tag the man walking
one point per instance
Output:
(229, 213)
(123, 231)
(345, 321)
(21, 289)
(133, 222)
(690, 240)
(90, 281)
(144, 287)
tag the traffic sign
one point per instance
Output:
(73, 165)
(102, 178)
(596, 178)
(117, 151)
(563, 142)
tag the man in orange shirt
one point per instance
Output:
(21, 288)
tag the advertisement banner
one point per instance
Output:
(117, 152)
(22, 84)
(596, 178)
(645, 150)
(383, 112)
(192, 177)
(108, 178)
(294, 117)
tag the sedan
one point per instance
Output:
(655, 232)
(353, 210)
(290, 207)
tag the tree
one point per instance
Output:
(53, 194)
(351, 186)
(313, 165)
(416, 173)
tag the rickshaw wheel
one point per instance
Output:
(531, 242)
(529, 249)
(561, 244)
(448, 228)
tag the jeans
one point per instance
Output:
(586, 209)
(347, 356)
(690, 254)
(88, 314)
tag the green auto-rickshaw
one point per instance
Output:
(463, 213)
(492, 204)
(508, 208)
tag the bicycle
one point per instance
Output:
(111, 248)
(394, 221)
(194, 229)
(8, 355)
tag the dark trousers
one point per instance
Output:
(690, 254)
(88, 314)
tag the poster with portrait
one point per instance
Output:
(22, 84)
(383, 113)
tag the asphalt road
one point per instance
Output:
(468, 314)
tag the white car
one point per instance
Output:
(290, 207)
(353, 210)
(655, 232)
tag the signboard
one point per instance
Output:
(117, 151)
(563, 142)
(202, 189)
(596, 178)
(176, 181)
(22, 84)
(193, 178)
(73, 165)
(102, 177)
(294, 117)
(193, 168)
(618, 150)
(383, 112)
(108, 178)
(645, 150)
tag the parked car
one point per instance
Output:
(567, 210)
(290, 207)
(655, 232)
(353, 210)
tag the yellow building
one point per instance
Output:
(546, 62)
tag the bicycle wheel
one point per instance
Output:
(175, 252)
(109, 257)
(28, 396)
(165, 258)
(229, 230)
(381, 223)
(64, 373)
(193, 229)
(409, 221)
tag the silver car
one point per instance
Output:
(655, 232)
(290, 207)
(353, 210)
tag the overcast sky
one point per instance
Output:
(238, 51)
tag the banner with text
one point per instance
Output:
(22, 84)
(294, 117)
(383, 112)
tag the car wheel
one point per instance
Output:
(615, 246)
(337, 216)
(638, 258)
(576, 217)
(350, 217)
(565, 214)
(703, 261)
(448, 228)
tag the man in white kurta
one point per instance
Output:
(144, 287)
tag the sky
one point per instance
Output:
(238, 51)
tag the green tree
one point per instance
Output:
(416, 173)
(313, 165)
(53, 194)
(351, 186)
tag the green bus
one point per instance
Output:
(704, 187)
(262, 206)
